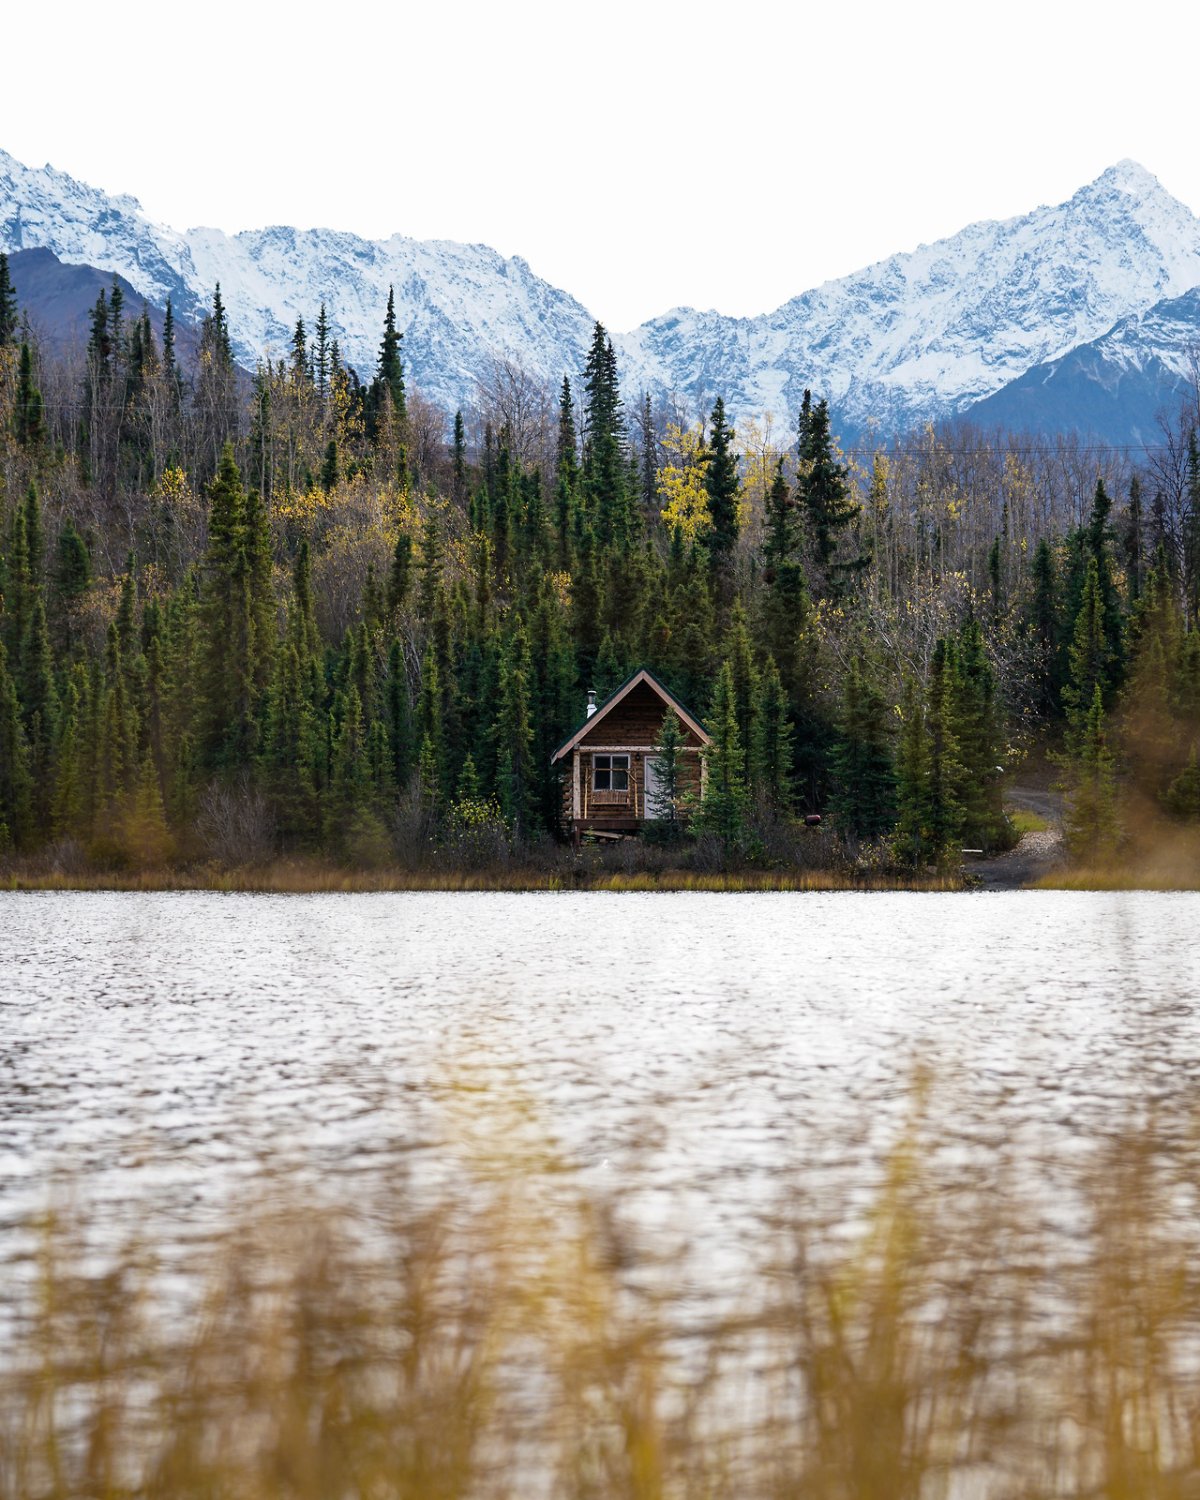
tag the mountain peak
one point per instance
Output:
(1129, 179)
(1129, 176)
(911, 338)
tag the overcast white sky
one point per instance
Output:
(640, 155)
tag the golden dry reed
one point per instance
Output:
(1155, 854)
(1007, 1330)
(302, 876)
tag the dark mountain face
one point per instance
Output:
(1115, 388)
(58, 301)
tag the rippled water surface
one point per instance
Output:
(696, 1052)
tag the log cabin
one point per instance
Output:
(611, 788)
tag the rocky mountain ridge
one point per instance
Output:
(920, 336)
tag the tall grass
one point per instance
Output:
(1154, 855)
(965, 1333)
(302, 876)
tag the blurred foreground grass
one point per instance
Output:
(512, 1338)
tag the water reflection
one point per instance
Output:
(698, 1051)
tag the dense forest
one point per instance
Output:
(302, 612)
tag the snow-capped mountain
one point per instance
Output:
(458, 305)
(1114, 387)
(921, 335)
(925, 334)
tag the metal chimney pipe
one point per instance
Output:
(591, 702)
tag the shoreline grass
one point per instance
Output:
(313, 877)
(301, 877)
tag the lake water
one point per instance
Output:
(695, 1055)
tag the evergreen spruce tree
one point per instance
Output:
(1090, 656)
(947, 775)
(604, 471)
(785, 603)
(302, 618)
(69, 802)
(739, 654)
(321, 352)
(1045, 630)
(668, 760)
(215, 330)
(8, 305)
(470, 788)
(863, 761)
(516, 775)
(914, 825)
(723, 488)
(771, 750)
(126, 621)
(39, 705)
(389, 372)
(170, 362)
(780, 524)
(587, 606)
(609, 672)
(117, 761)
(144, 836)
(16, 789)
(824, 493)
(400, 575)
(30, 419)
(352, 825)
(648, 466)
(35, 544)
(228, 666)
(216, 401)
(292, 749)
(459, 460)
(260, 582)
(116, 321)
(1090, 822)
(18, 586)
(398, 715)
(430, 571)
(300, 352)
(329, 467)
(432, 760)
(1099, 541)
(723, 806)
(980, 744)
(996, 578)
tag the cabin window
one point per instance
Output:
(610, 773)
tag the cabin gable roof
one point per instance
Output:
(613, 699)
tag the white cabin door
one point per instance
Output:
(653, 802)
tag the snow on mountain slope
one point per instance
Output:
(46, 209)
(1114, 387)
(918, 336)
(458, 305)
(924, 334)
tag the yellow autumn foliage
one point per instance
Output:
(681, 481)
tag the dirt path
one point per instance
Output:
(1037, 853)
